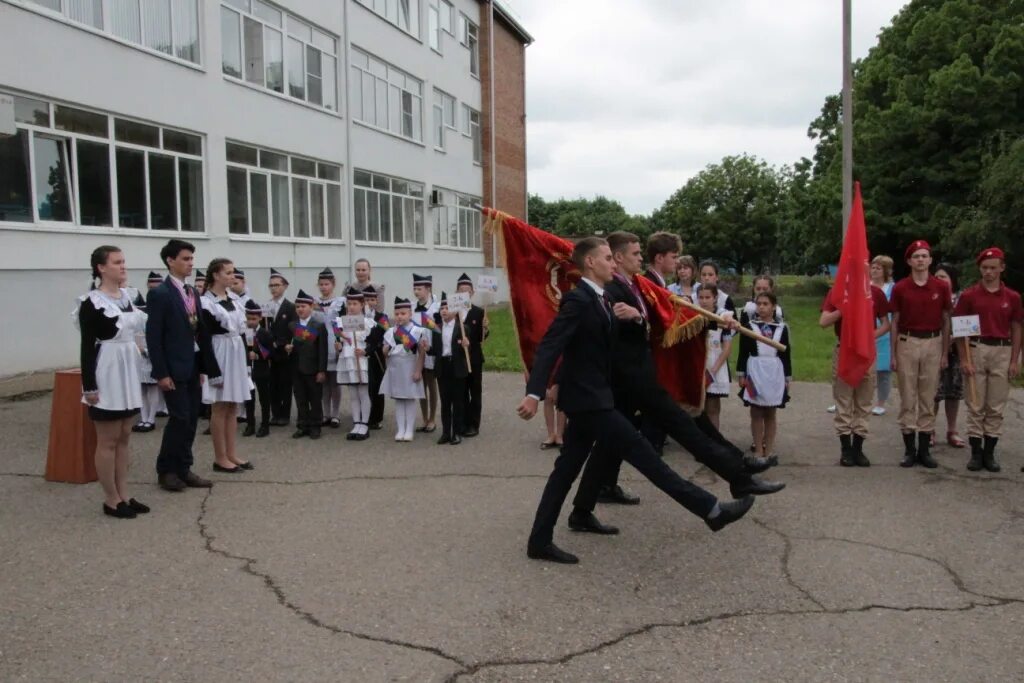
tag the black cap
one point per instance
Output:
(444, 298)
(155, 277)
(253, 307)
(427, 280)
(199, 274)
(402, 303)
(304, 298)
(354, 293)
(370, 290)
(464, 280)
(326, 273)
(274, 272)
(239, 273)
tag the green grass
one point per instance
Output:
(812, 346)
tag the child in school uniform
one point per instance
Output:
(405, 349)
(719, 347)
(152, 397)
(423, 314)
(764, 375)
(330, 307)
(374, 352)
(259, 343)
(762, 283)
(353, 366)
(450, 349)
(307, 355)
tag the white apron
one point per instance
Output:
(767, 374)
(351, 369)
(229, 350)
(720, 384)
(398, 382)
(118, 358)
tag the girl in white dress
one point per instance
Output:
(719, 347)
(226, 394)
(764, 375)
(353, 365)
(404, 347)
(152, 397)
(110, 359)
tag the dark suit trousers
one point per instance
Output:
(474, 397)
(281, 388)
(610, 427)
(375, 375)
(180, 431)
(263, 389)
(308, 402)
(658, 408)
(453, 398)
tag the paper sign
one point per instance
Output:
(268, 310)
(487, 283)
(459, 302)
(353, 323)
(966, 326)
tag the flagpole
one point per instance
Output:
(847, 115)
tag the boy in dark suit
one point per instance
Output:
(259, 344)
(476, 325)
(449, 350)
(281, 316)
(307, 357)
(375, 353)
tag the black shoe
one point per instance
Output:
(588, 522)
(351, 436)
(552, 553)
(314, 434)
(194, 481)
(362, 437)
(137, 507)
(263, 431)
(228, 470)
(975, 463)
(249, 431)
(122, 511)
(988, 455)
(444, 439)
(139, 429)
(859, 459)
(729, 513)
(334, 423)
(247, 465)
(754, 464)
(909, 450)
(169, 481)
(279, 422)
(755, 487)
(456, 440)
(846, 451)
(924, 456)
(161, 413)
(471, 432)
(375, 426)
(299, 433)
(616, 495)
(241, 419)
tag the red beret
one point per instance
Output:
(991, 252)
(916, 245)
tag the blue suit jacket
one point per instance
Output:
(170, 338)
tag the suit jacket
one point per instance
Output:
(375, 344)
(474, 324)
(260, 366)
(309, 358)
(458, 355)
(583, 336)
(632, 342)
(281, 328)
(170, 338)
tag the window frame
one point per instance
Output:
(392, 195)
(465, 23)
(372, 7)
(462, 204)
(391, 74)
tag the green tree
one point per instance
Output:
(581, 217)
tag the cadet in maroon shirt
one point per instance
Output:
(920, 305)
(992, 358)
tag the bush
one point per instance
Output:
(816, 286)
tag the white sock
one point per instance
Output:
(410, 418)
(715, 511)
(150, 396)
(400, 410)
(363, 393)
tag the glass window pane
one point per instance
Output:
(416, 189)
(300, 207)
(279, 197)
(231, 42)
(183, 142)
(15, 200)
(334, 212)
(328, 172)
(94, 182)
(86, 11)
(394, 120)
(266, 13)
(360, 59)
(399, 187)
(240, 154)
(186, 30)
(384, 204)
(53, 189)
(157, 15)
(314, 90)
(131, 188)
(362, 178)
(373, 216)
(278, 162)
(274, 57)
(136, 133)
(355, 93)
(407, 114)
(28, 110)
(324, 42)
(300, 29)
(238, 203)
(449, 111)
(381, 183)
(446, 17)
(329, 83)
(304, 167)
(190, 186)
(240, 4)
(434, 28)
(358, 210)
(316, 209)
(296, 69)
(313, 85)
(125, 20)
(260, 205)
(397, 221)
(253, 51)
(79, 121)
(49, 4)
(163, 205)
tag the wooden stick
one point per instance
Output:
(462, 329)
(746, 332)
(970, 378)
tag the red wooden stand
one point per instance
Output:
(70, 456)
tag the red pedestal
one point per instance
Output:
(70, 456)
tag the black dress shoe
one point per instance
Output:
(241, 419)
(194, 481)
(314, 434)
(755, 486)
(754, 464)
(376, 426)
(169, 481)
(263, 431)
(247, 465)
(161, 413)
(456, 440)
(279, 422)
(616, 495)
(351, 436)
(299, 433)
(227, 470)
(334, 423)
(729, 513)
(588, 522)
(444, 439)
(471, 432)
(137, 507)
(249, 431)
(552, 553)
(122, 511)
(138, 429)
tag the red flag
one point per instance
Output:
(851, 294)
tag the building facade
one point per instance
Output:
(294, 134)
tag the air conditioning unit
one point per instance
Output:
(435, 198)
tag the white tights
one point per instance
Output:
(405, 418)
(332, 397)
(359, 399)
(151, 402)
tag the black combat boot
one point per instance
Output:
(846, 450)
(924, 456)
(988, 456)
(859, 458)
(975, 463)
(909, 450)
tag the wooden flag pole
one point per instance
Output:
(746, 332)
(462, 329)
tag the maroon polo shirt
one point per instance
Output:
(996, 309)
(877, 296)
(920, 307)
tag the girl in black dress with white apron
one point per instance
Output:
(765, 374)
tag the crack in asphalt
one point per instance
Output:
(787, 551)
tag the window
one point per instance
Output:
(468, 37)
(276, 194)
(385, 97)
(444, 116)
(71, 166)
(170, 27)
(272, 49)
(456, 221)
(471, 129)
(439, 22)
(388, 210)
(405, 14)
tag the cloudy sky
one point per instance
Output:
(630, 98)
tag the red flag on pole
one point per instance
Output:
(851, 294)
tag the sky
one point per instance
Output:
(630, 99)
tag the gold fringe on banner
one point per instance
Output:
(680, 332)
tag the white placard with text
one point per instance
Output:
(487, 283)
(460, 301)
(966, 326)
(353, 323)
